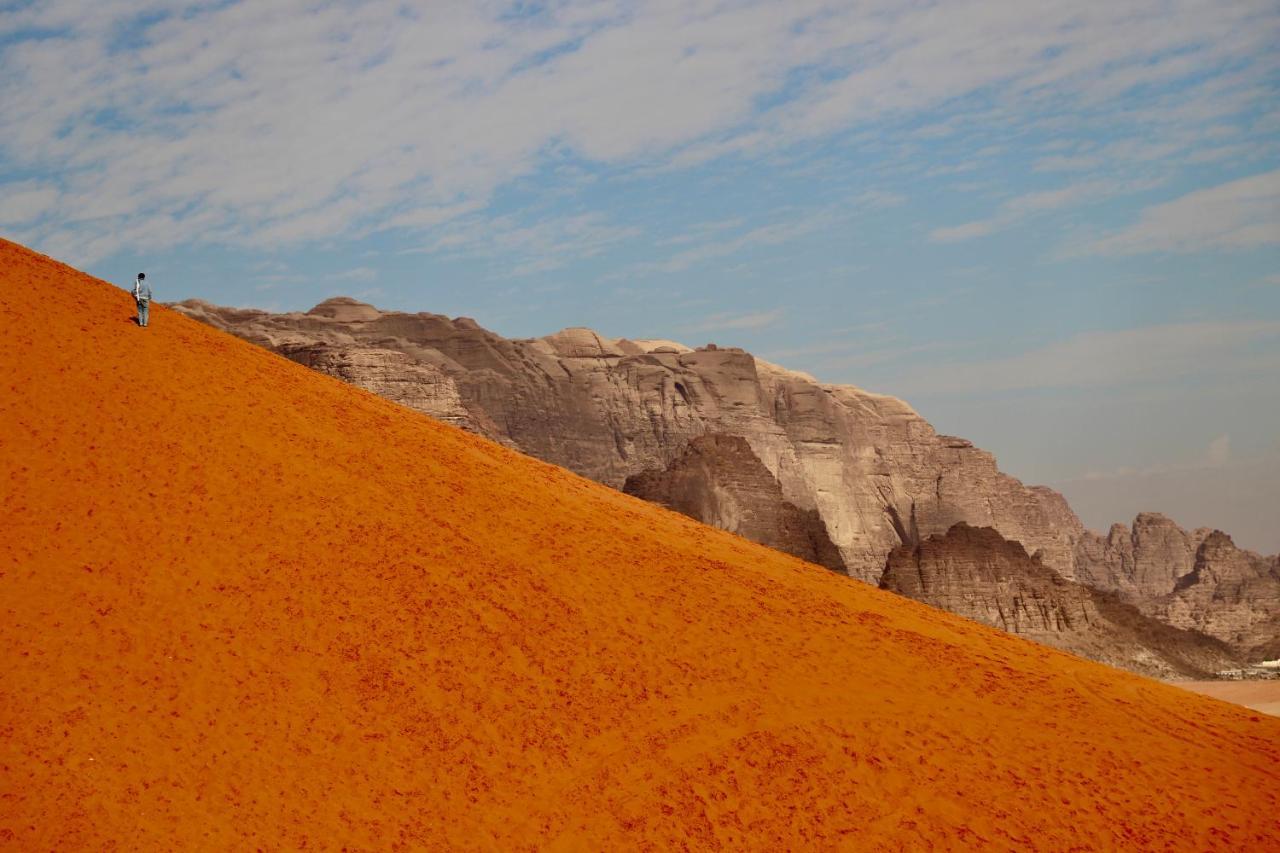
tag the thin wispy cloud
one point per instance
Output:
(1111, 359)
(1069, 162)
(1216, 455)
(1020, 208)
(729, 322)
(1241, 214)
(523, 247)
(879, 199)
(26, 201)
(965, 231)
(357, 274)
(270, 124)
(702, 231)
(773, 234)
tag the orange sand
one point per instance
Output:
(243, 605)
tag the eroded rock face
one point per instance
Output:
(872, 469)
(720, 481)
(393, 375)
(869, 472)
(977, 573)
(1141, 562)
(1198, 580)
(1231, 594)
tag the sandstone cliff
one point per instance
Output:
(720, 481)
(1197, 580)
(832, 473)
(875, 473)
(977, 573)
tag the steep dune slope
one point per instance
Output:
(228, 619)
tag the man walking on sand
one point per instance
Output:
(142, 295)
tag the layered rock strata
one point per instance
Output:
(393, 375)
(1196, 579)
(977, 573)
(875, 472)
(719, 480)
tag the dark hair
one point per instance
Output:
(141, 276)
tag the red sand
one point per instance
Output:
(243, 605)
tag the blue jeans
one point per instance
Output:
(144, 310)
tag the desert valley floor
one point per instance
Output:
(1261, 696)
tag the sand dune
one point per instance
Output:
(243, 605)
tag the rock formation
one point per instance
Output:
(393, 375)
(977, 573)
(1197, 580)
(814, 467)
(1141, 562)
(875, 472)
(720, 481)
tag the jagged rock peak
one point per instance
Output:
(976, 572)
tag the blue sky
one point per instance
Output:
(1053, 228)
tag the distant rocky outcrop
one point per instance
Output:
(1197, 580)
(977, 573)
(832, 473)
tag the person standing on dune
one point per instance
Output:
(142, 295)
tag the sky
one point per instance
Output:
(1053, 228)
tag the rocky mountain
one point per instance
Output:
(1197, 580)
(831, 473)
(976, 572)
(875, 472)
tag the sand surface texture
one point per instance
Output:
(243, 605)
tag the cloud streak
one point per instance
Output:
(527, 248)
(773, 234)
(265, 125)
(731, 322)
(1241, 214)
(1110, 359)
(1025, 206)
